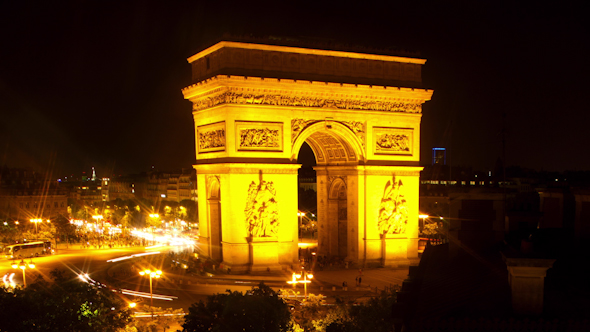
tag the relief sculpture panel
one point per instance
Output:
(211, 137)
(262, 210)
(260, 136)
(393, 141)
(393, 210)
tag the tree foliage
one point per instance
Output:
(376, 315)
(164, 318)
(260, 309)
(66, 304)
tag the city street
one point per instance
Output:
(180, 290)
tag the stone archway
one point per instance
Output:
(213, 221)
(365, 137)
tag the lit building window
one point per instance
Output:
(472, 183)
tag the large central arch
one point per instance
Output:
(255, 105)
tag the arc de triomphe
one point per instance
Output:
(254, 106)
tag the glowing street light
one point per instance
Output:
(151, 274)
(23, 266)
(301, 215)
(295, 280)
(36, 221)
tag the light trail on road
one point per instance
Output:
(86, 278)
(132, 256)
(8, 280)
(147, 295)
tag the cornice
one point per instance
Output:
(302, 50)
(240, 90)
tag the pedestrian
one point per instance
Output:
(356, 280)
(360, 281)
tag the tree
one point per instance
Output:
(164, 318)
(376, 315)
(260, 309)
(8, 231)
(66, 304)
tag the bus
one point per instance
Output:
(29, 249)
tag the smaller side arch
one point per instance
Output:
(336, 187)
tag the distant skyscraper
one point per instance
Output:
(93, 174)
(439, 156)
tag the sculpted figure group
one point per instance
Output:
(393, 210)
(262, 210)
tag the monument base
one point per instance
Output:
(264, 254)
(395, 252)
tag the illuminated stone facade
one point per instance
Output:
(255, 105)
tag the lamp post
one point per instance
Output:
(36, 221)
(23, 266)
(301, 215)
(423, 217)
(151, 274)
(306, 276)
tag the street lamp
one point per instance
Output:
(295, 280)
(36, 221)
(423, 217)
(151, 274)
(301, 215)
(23, 266)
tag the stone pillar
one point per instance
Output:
(526, 277)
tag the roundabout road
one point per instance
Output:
(186, 290)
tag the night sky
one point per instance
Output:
(98, 83)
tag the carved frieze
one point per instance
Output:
(259, 135)
(211, 137)
(259, 138)
(304, 100)
(262, 210)
(393, 210)
(393, 141)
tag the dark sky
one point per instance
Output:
(98, 83)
